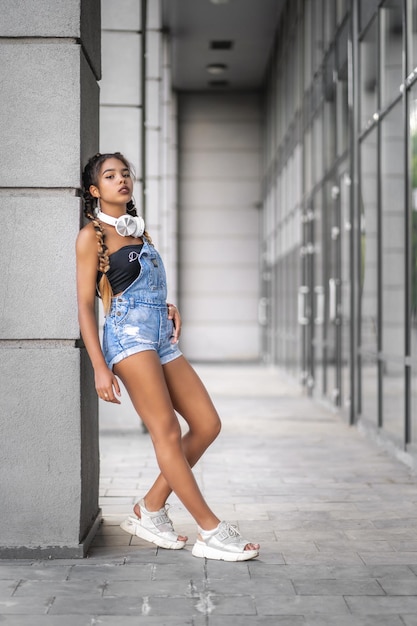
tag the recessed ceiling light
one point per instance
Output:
(216, 68)
(219, 1)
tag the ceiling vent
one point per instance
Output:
(221, 44)
(218, 83)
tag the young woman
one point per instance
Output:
(116, 258)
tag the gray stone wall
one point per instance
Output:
(219, 194)
(49, 463)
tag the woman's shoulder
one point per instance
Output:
(86, 237)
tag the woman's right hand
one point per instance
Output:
(107, 385)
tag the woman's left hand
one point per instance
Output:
(174, 315)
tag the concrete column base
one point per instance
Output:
(77, 551)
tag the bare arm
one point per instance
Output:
(106, 383)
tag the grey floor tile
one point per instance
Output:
(300, 605)
(339, 587)
(372, 605)
(276, 620)
(25, 606)
(103, 573)
(50, 589)
(97, 606)
(399, 587)
(355, 620)
(46, 571)
(47, 620)
(148, 620)
(7, 588)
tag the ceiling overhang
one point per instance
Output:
(220, 44)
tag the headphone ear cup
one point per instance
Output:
(140, 226)
(129, 226)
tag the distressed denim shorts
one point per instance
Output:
(133, 326)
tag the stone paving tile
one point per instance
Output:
(208, 603)
(104, 573)
(404, 546)
(318, 587)
(139, 588)
(35, 572)
(28, 606)
(7, 587)
(48, 620)
(373, 605)
(97, 606)
(49, 589)
(399, 586)
(355, 620)
(391, 558)
(112, 540)
(330, 572)
(276, 620)
(268, 604)
(148, 620)
(337, 557)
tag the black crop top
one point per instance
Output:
(124, 267)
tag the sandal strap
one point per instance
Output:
(158, 521)
(225, 537)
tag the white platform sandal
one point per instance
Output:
(224, 543)
(153, 526)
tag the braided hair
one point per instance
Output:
(90, 177)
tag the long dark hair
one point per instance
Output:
(90, 177)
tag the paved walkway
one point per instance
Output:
(336, 517)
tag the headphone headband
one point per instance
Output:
(126, 225)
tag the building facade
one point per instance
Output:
(339, 228)
(275, 146)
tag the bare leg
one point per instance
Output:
(191, 400)
(148, 389)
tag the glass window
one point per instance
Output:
(307, 43)
(317, 22)
(391, 50)
(393, 266)
(367, 8)
(342, 117)
(329, 140)
(412, 26)
(342, 7)
(368, 74)
(412, 35)
(369, 276)
(329, 13)
(317, 148)
(318, 296)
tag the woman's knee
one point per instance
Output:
(208, 430)
(167, 436)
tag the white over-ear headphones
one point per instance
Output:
(126, 225)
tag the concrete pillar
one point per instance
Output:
(49, 460)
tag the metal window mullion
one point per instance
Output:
(407, 239)
(379, 233)
(144, 23)
(355, 217)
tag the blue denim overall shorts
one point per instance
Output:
(138, 318)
